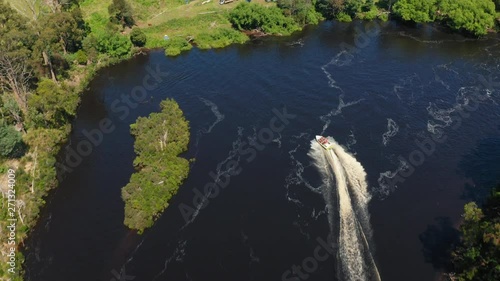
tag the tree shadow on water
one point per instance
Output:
(482, 166)
(438, 241)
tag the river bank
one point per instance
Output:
(37, 173)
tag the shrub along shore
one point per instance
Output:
(52, 49)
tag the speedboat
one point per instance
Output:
(324, 142)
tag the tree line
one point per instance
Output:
(475, 17)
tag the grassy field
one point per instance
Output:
(206, 25)
(153, 12)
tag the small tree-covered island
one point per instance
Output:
(159, 139)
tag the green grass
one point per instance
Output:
(205, 25)
(22, 8)
(154, 12)
(205, 30)
(96, 13)
(176, 45)
(220, 38)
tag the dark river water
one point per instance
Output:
(416, 106)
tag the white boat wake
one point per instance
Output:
(346, 196)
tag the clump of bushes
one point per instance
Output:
(383, 16)
(106, 42)
(416, 10)
(475, 17)
(302, 11)
(220, 38)
(343, 17)
(248, 16)
(137, 37)
(52, 105)
(11, 143)
(81, 57)
(476, 255)
(115, 45)
(174, 46)
(371, 14)
(120, 12)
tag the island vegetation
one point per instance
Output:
(49, 50)
(159, 139)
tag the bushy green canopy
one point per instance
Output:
(473, 16)
(52, 106)
(137, 37)
(270, 20)
(416, 10)
(159, 139)
(477, 256)
(303, 11)
(10, 140)
(121, 12)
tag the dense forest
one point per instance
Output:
(159, 139)
(50, 49)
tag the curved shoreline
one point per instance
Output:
(91, 73)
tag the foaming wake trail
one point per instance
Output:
(352, 260)
(218, 118)
(215, 110)
(178, 254)
(232, 156)
(336, 111)
(342, 58)
(356, 178)
(347, 205)
(324, 168)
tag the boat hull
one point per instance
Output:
(324, 142)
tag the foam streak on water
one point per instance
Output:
(178, 255)
(443, 116)
(336, 111)
(232, 156)
(338, 60)
(215, 110)
(392, 130)
(385, 179)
